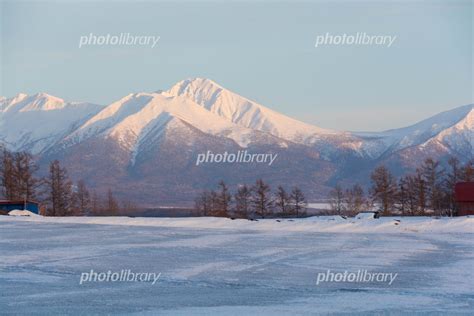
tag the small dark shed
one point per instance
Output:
(7, 205)
(464, 193)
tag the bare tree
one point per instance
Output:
(96, 203)
(420, 190)
(60, 190)
(298, 201)
(402, 196)
(407, 195)
(242, 201)
(112, 204)
(214, 203)
(453, 176)
(468, 171)
(282, 201)
(24, 172)
(336, 200)
(355, 199)
(261, 199)
(82, 199)
(7, 174)
(223, 200)
(202, 203)
(432, 174)
(384, 189)
(207, 204)
(17, 176)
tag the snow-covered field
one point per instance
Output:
(215, 266)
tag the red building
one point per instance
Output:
(464, 193)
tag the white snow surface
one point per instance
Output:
(22, 213)
(334, 224)
(216, 266)
(365, 216)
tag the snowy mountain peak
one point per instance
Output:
(37, 122)
(19, 97)
(193, 84)
(6, 103)
(442, 127)
(40, 102)
(130, 120)
(37, 102)
(245, 112)
(43, 102)
(211, 109)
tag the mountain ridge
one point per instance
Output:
(150, 140)
(244, 115)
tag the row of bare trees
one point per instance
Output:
(65, 198)
(56, 191)
(251, 201)
(429, 190)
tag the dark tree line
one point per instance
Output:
(427, 191)
(55, 191)
(251, 201)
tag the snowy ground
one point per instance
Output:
(212, 266)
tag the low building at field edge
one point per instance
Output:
(7, 205)
(464, 194)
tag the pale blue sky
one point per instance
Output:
(262, 50)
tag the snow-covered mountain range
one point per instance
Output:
(150, 140)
